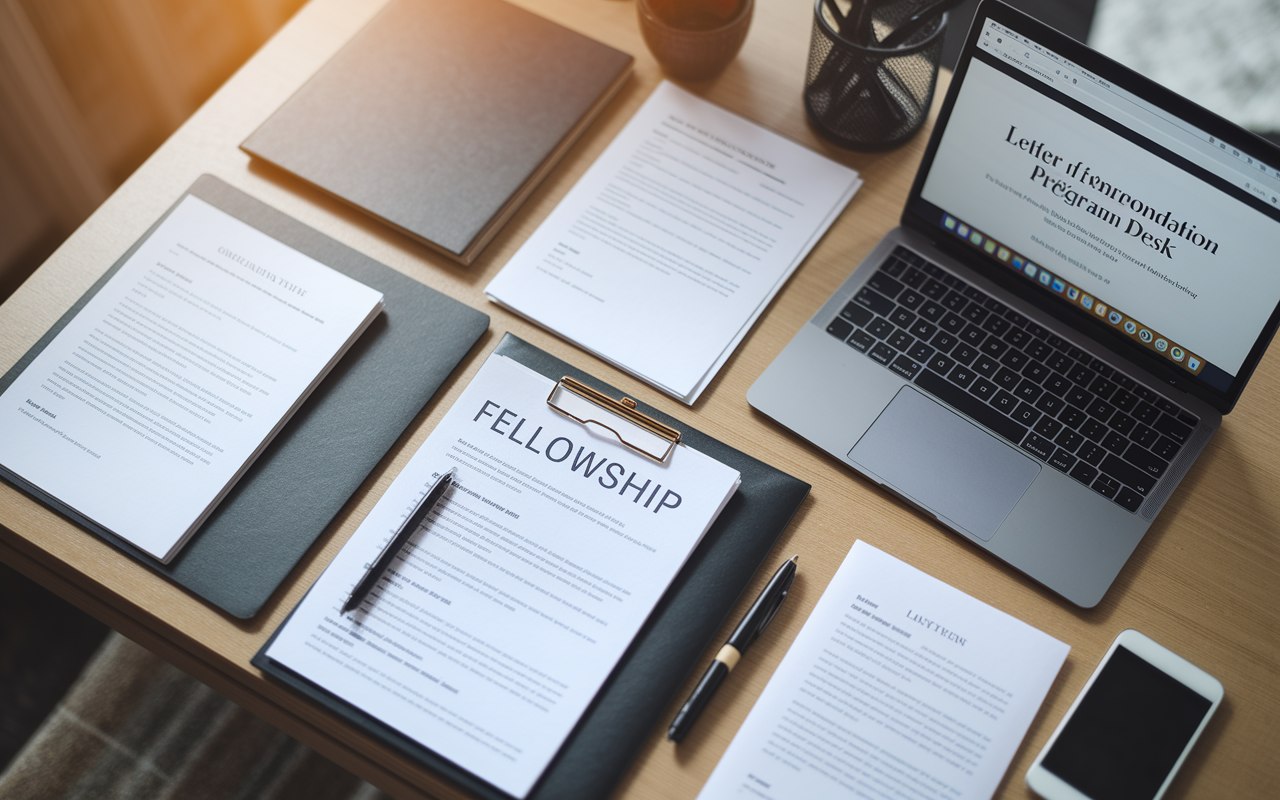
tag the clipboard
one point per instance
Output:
(632, 701)
(303, 478)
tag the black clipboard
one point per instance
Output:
(300, 482)
(616, 724)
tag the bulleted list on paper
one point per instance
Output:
(149, 404)
(669, 247)
(898, 686)
(504, 614)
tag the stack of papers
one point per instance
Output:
(504, 615)
(671, 245)
(898, 686)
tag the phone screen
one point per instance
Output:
(1127, 732)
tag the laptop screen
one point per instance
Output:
(1113, 204)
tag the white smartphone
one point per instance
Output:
(1131, 727)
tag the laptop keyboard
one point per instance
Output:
(1056, 402)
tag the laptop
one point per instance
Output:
(1083, 281)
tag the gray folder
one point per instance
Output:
(633, 700)
(306, 475)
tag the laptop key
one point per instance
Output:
(883, 353)
(961, 376)
(910, 299)
(1035, 372)
(1038, 350)
(885, 285)
(1102, 387)
(1166, 448)
(1028, 391)
(1039, 447)
(1101, 409)
(920, 352)
(1144, 436)
(901, 317)
(1017, 337)
(1006, 379)
(880, 328)
(1051, 404)
(1145, 412)
(923, 330)
(1004, 402)
(1092, 429)
(1167, 407)
(1015, 360)
(1106, 486)
(900, 340)
(1026, 414)
(1085, 473)
(975, 313)
(934, 290)
(983, 389)
(993, 347)
(996, 325)
(861, 340)
(1069, 440)
(905, 367)
(1121, 422)
(1145, 460)
(1128, 474)
(1072, 416)
(954, 301)
(1115, 442)
(857, 314)
(1099, 366)
(1057, 384)
(952, 323)
(932, 311)
(1124, 400)
(1129, 499)
(913, 278)
(964, 353)
(1048, 427)
(939, 363)
(1062, 461)
(875, 301)
(973, 335)
(1091, 453)
(943, 341)
(970, 405)
(1017, 319)
(894, 266)
(1079, 397)
(1059, 362)
(840, 329)
(1172, 428)
(1081, 374)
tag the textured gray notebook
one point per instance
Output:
(305, 476)
(440, 118)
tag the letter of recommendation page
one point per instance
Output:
(146, 408)
(897, 686)
(669, 248)
(503, 615)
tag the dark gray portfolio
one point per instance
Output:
(632, 701)
(441, 117)
(305, 476)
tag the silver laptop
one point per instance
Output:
(1084, 279)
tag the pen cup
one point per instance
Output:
(866, 97)
(694, 39)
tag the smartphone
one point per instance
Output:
(1131, 727)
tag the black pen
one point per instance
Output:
(752, 625)
(394, 546)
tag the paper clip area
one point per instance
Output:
(635, 430)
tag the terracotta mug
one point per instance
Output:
(694, 39)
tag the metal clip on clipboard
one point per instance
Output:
(637, 431)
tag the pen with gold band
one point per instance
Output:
(752, 625)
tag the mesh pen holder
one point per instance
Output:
(871, 98)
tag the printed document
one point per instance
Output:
(669, 248)
(504, 614)
(146, 408)
(897, 686)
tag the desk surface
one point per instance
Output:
(1204, 581)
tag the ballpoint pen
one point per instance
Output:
(371, 576)
(752, 625)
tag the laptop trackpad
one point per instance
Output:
(945, 463)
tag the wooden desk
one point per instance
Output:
(1204, 581)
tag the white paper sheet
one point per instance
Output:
(149, 405)
(669, 248)
(898, 685)
(506, 612)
